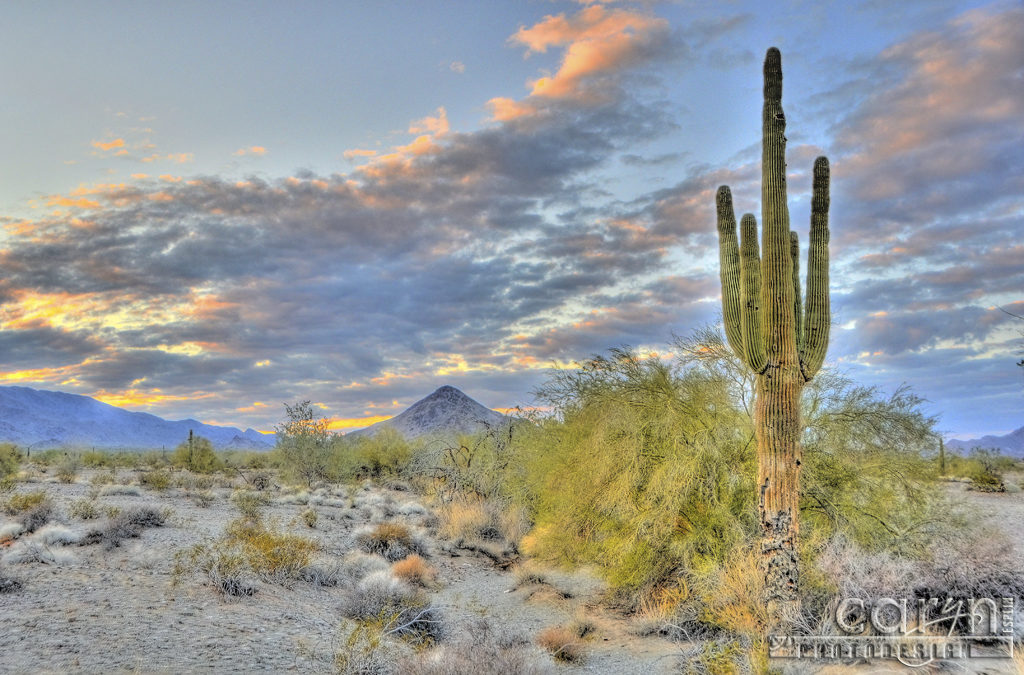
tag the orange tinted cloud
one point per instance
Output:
(596, 41)
(257, 150)
(109, 145)
(437, 126)
(356, 152)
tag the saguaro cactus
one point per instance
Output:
(775, 335)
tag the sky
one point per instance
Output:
(209, 209)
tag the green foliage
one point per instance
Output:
(24, 501)
(250, 504)
(304, 444)
(386, 453)
(157, 479)
(197, 455)
(986, 468)
(647, 469)
(649, 472)
(67, 468)
(10, 458)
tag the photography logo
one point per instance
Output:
(914, 632)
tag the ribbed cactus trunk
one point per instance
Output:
(778, 338)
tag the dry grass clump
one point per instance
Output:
(309, 517)
(393, 607)
(104, 477)
(251, 550)
(57, 534)
(415, 570)
(478, 647)
(23, 501)
(250, 504)
(365, 651)
(157, 479)
(127, 524)
(34, 509)
(392, 541)
(479, 520)
(84, 509)
(562, 643)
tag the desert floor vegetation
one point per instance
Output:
(631, 547)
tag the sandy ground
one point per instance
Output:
(98, 611)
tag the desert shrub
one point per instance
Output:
(985, 470)
(394, 607)
(273, 555)
(250, 504)
(57, 534)
(197, 455)
(474, 519)
(156, 479)
(203, 498)
(322, 574)
(647, 469)
(476, 647)
(248, 550)
(225, 568)
(304, 444)
(357, 565)
(717, 657)
(104, 477)
(10, 531)
(260, 481)
(386, 453)
(414, 570)
(67, 469)
(309, 517)
(124, 524)
(23, 501)
(562, 643)
(95, 459)
(364, 651)
(10, 459)
(36, 516)
(84, 509)
(392, 541)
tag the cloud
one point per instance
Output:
(108, 145)
(598, 44)
(457, 67)
(257, 150)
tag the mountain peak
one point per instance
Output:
(446, 411)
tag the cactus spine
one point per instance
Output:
(782, 340)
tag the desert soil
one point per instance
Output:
(98, 611)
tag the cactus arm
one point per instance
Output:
(729, 270)
(818, 316)
(750, 283)
(798, 310)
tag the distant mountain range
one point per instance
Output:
(1011, 444)
(446, 411)
(46, 419)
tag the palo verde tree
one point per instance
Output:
(779, 339)
(304, 443)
